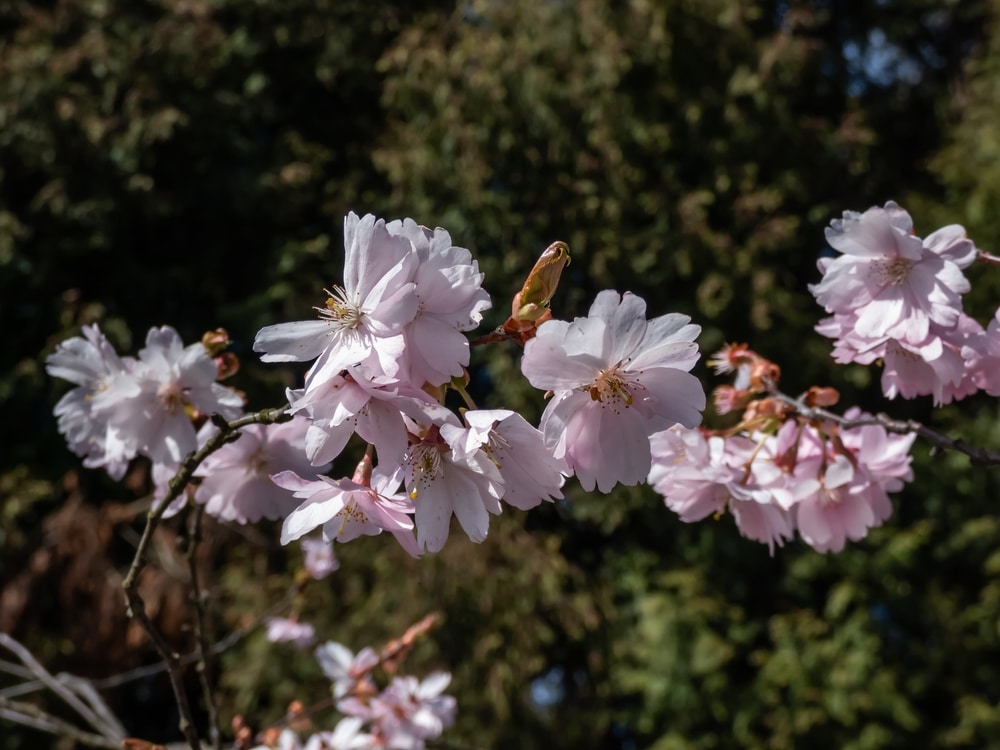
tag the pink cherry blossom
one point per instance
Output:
(236, 480)
(344, 668)
(371, 407)
(319, 558)
(894, 282)
(617, 379)
(362, 321)
(695, 474)
(347, 735)
(365, 505)
(148, 406)
(444, 479)
(448, 287)
(701, 476)
(93, 365)
(982, 355)
(530, 473)
(408, 712)
(849, 480)
(829, 490)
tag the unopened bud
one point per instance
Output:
(823, 397)
(215, 341)
(227, 364)
(533, 300)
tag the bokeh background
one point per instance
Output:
(189, 162)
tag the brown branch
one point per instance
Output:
(978, 456)
(135, 606)
(201, 645)
(219, 647)
(493, 337)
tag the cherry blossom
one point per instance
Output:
(319, 558)
(347, 735)
(529, 472)
(93, 365)
(371, 407)
(279, 629)
(236, 483)
(897, 299)
(344, 668)
(444, 478)
(894, 282)
(138, 406)
(150, 405)
(361, 320)
(366, 504)
(408, 712)
(617, 379)
(829, 489)
(448, 287)
(701, 476)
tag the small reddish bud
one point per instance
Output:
(765, 410)
(227, 364)
(823, 397)
(215, 341)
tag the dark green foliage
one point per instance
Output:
(188, 162)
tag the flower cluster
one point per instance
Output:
(404, 715)
(828, 487)
(778, 472)
(393, 334)
(897, 298)
(623, 407)
(124, 407)
(384, 348)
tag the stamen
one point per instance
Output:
(890, 271)
(425, 461)
(341, 310)
(613, 388)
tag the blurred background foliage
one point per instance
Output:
(189, 162)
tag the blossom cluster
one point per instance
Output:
(777, 471)
(384, 342)
(384, 348)
(829, 486)
(897, 298)
(124, 407)
(389, 343)
(404, 715)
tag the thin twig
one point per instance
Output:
(32, 716)
(217, 648)
(71, 699)
(978, 456)
(86, 690)
(201, 647)
(985, 257)
(227, 431)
